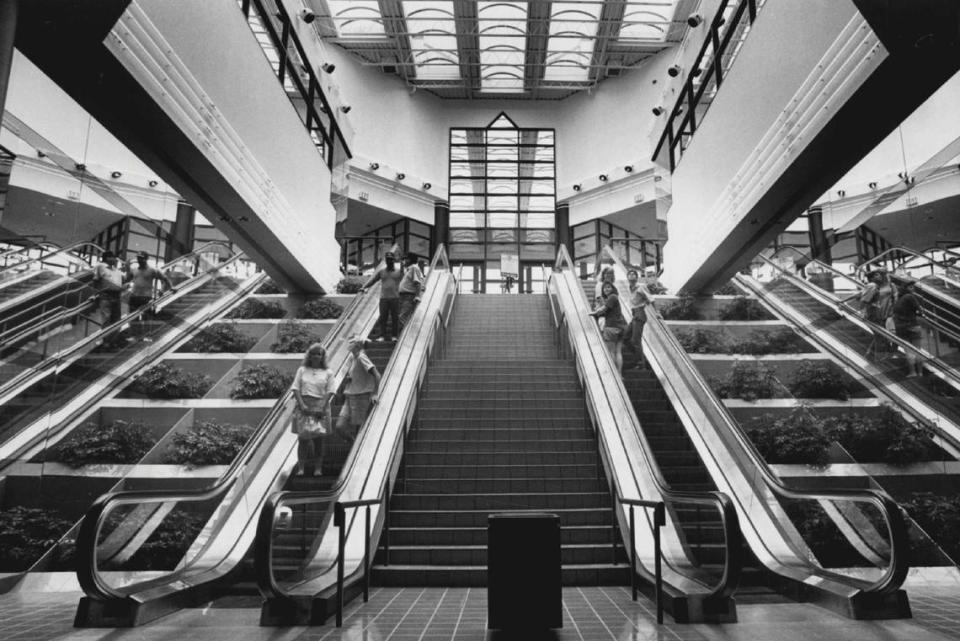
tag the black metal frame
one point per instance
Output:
(651, 250)
(659, 520)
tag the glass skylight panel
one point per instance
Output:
(647, 20)
(357, 18)
(433, 39)
(503, 40)
(573, 33)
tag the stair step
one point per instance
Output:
(451, 518)
(476, 576)
(504, 458)
(504, 501)
(477, 554)
(498, 486)
(500, 471)
(477, 536)
(483, 444)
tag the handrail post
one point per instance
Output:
(659, 520)
(633, 556)
(386, 531)
(366, 559)
(339, 521)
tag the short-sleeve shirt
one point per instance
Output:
(412, 280)
(360, 370)
(906, 310)
(109, 279)
(313, 382)
(613, 316)
(142, 280)
(390, 282)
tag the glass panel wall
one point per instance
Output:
(591, 237)
(365, 251)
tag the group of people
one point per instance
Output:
(399, 293)
(895, 309)
(616, 331)
(110, 281)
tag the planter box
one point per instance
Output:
(255, 329)
(709, 307)
(213, 365)
(282, 362)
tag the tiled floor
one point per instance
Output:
(459, 614)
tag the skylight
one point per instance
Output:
(357, 18)
(647, 19)
(573, 32)
(503, 40)
(433, 40)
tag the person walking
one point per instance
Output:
(313, 389)
(614, 324)
(606, 276)
(906, 321)
(410, 287)
(142, 277)
(389, 277)
(108, 283)
(360, 389)
(633, 336)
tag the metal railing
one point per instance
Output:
(707, 72)
(659, 520)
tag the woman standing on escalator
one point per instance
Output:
(313, 388)
(613, 323)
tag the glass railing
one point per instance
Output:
(308, 543)
(853, 541)
(11, 254)
(66, 261)
(693, 572)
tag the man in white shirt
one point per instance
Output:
(410, 287)
(108, 281)
(142, 277)
(360, 391)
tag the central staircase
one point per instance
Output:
(501, 427)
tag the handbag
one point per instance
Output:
(307, 425)
(611, 334)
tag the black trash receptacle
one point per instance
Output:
(523, 572)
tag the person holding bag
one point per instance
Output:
(313, 388)
(613, 323)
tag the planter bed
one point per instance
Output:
(214, 368)
(222, 389)
(710, 307)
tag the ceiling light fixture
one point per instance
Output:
(401, 175)
(577, 187)
(674, 71)
(153, 183)
(427, 186)
(873, 185)
(657, 111)
(115, 174)
(345, 108)
(628, 169)
(80, 166)
(307, 16)
(374, 166)
(603, 178)
(695, 20)
(40, 154)
(328, 67)
(841, 193)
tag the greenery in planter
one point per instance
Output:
(656, 288)
(320, 309)
(818, 379)
(118, 442)
(797, 437)
(220, 337)
(26, 534)
(260, 381)
(166, 381)
(821, 535)
(684, 308)
(748, 380)
(704, 341)
(294, 338)
(781, 340)
(270, 287)
(256, 308)
(939, 516)
(728, 289)
(350, 284)
(208, 443)
(883, 437)
(742, 308)
(166, 546)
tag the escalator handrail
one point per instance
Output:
(55, 359)
(700, 389)
(730, 578)
(63, 250)
(263, 542)
(862, 268)
(41, 246)
(87, 574)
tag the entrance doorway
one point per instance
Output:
(486, 278)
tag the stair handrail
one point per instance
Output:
(730, 577)
(66, 250)
(87, 573)
(750, 458)
(55, 360)
(442, 294)
(863, 268)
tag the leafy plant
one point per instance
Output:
(883, 437)
(748, 380)
(782, 340)
(208, 443)
(939, 516)
(704, 341)
(166, 381)
(26, 534)
(220, 337)
(260, 381)
(270, 287)
(294, 338)
(118, 442)
(256, 308)
(742, 308)
(320, 308)
(166, 546)
(684, 308)
(729, 289)
(350, 284)
(818, 379)
(821, 535)
(655, 287)
(797, 437)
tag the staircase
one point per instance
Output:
(501, 427)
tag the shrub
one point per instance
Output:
(220, 337)
(166, 546)
(818, 379)
(885, 437)
(321, 308)
(939, 516)
(656, 288)
(798, 437)
(782, 340)
(26, 534)
(166, 381)
(293, 338)
(270, 287)
(208, 443)
(118, 442)
(743, 309)
(260, 381)
(748, 380)
(683, 308)
(821, 535)
(704, 341)
(728, 290)
(350, 284)
(256, 308)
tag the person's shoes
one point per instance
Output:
(146, 340)
(393, 339)
(317, 472)
(379, 339)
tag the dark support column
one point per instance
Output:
(564, 233)
(8, 32)
(819, 244)
(441, 225)
(180, 240)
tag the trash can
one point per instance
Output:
(523, 572)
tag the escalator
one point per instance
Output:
(95, 360)
(125, 587)
(698, 445)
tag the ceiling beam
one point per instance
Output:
(538, 32)
(611, 19)
(395, 26)
(468, 43)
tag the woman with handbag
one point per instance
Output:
(613, 323)
(313, 388)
